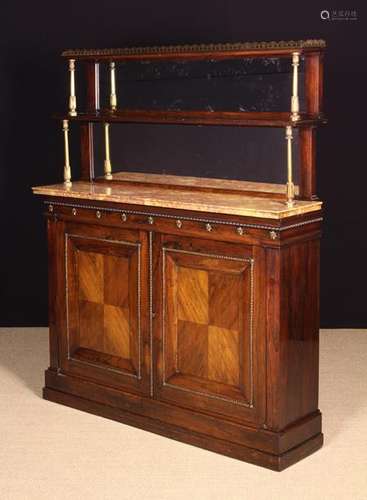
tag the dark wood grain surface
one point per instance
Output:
(223, 118)
(228, 343)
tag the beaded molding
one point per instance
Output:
(150, 263)
(51, 206)
(211, 47)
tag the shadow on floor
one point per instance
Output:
(24, 354)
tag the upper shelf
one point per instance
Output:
(240, 118)
(200, 51)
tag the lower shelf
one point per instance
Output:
(276, 462)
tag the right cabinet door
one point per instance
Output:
(210, 326)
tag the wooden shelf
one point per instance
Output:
(229, 118)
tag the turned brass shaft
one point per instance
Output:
(107, 162)
(113, 97)
(290, 185)
(295, 99)
(67, 169)
(72, 98)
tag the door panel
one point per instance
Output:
(106, 285)
(208, 357)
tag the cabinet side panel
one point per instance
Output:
(56, 285)
(274, 384)
(300, 329)
(292, 333)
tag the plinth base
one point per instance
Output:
(274, 461)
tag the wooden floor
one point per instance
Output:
(52, 452)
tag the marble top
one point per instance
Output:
(184, 199)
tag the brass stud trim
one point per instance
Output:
(184, 218)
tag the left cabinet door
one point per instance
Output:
(106, 329)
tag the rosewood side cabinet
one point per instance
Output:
(189, 306)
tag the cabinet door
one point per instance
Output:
(210, 327)
(106, 306)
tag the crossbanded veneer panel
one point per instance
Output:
(192, 295)
(116, 331)
(104, 316)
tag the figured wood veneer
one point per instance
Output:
(104, 321)
(116, 329)
(206, 330)
(191, 349)
(223, 355)
(226, 331)
(192, 295)
(103, 303)
(90, 270)
(208, 325)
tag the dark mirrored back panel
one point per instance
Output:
(242, 153)
(247, 84)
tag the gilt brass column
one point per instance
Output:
(295, 99)
(67, 169)
(72, 97)
(107, 162)
(113, 97)
(290, 185)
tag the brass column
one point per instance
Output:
(295, 99)
(113, 97)
(67, 169)
(72, 98)
(290, 185)
(107, 162)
